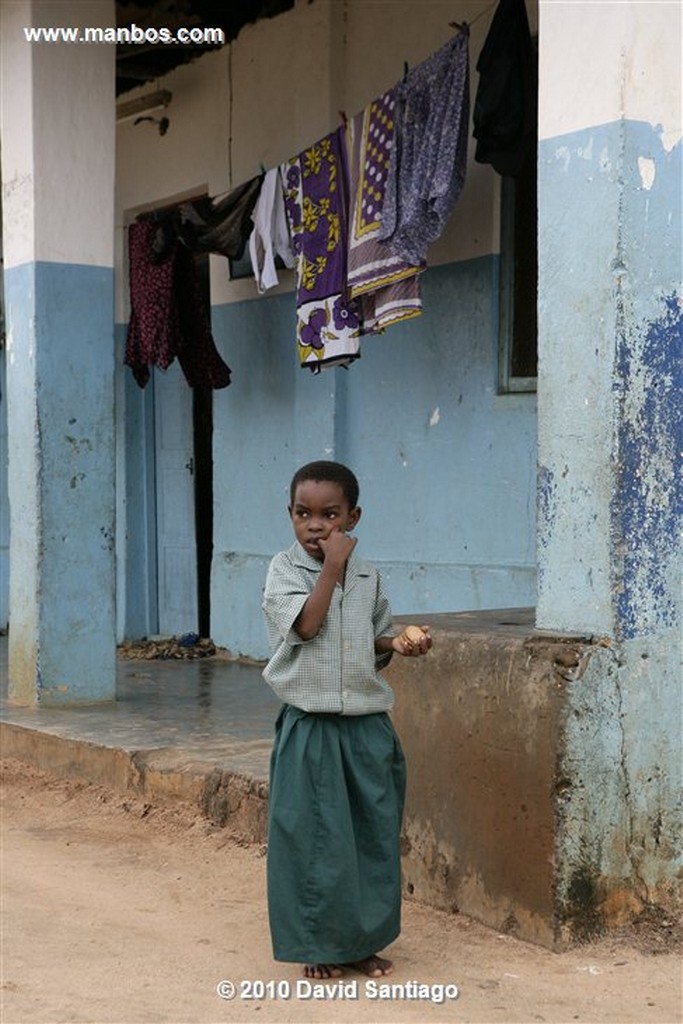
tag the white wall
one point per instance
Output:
(637, 74)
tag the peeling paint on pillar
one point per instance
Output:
(609, 422)
(546, 502)
(648, 496)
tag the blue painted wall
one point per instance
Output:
(447, 466)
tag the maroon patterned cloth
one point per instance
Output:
(168, 314)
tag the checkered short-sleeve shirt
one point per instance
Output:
(336, 671)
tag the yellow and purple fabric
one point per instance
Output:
(315, 181)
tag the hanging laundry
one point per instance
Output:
(168, 314)
(270, 235)
(505, 105)
(153, 325)
(389, 286)
(222, 225)
(328, 329)
(429, 155)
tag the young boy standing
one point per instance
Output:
(337, 777)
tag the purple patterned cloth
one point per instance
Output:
(429, 155)
(315, 182)
(388, 285)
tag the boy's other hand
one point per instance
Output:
(413, 642)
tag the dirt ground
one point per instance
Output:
(115, 911)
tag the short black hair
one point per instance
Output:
(332, 471)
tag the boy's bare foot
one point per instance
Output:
(322, 971)
(373, 966)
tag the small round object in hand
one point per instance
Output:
(412, 636)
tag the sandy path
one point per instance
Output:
(117, 912)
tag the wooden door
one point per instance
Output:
(175, 496)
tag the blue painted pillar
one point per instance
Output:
(610, 439)
(58, 131)
(609, 318)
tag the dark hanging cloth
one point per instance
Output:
(220, 226)
(505, 106)
(168, 313)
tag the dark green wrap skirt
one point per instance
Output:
(337, 788)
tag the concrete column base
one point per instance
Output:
(520, 810)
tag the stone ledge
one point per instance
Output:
(229, 798)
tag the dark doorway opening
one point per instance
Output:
(202, 415)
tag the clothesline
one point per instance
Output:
(355, 212)
(364, 203)
(473, 21)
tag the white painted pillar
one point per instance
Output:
(58, 130)
(609, 317)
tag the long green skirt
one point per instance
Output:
(337, 788)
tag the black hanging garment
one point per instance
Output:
(222, 225)
(505, 107)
